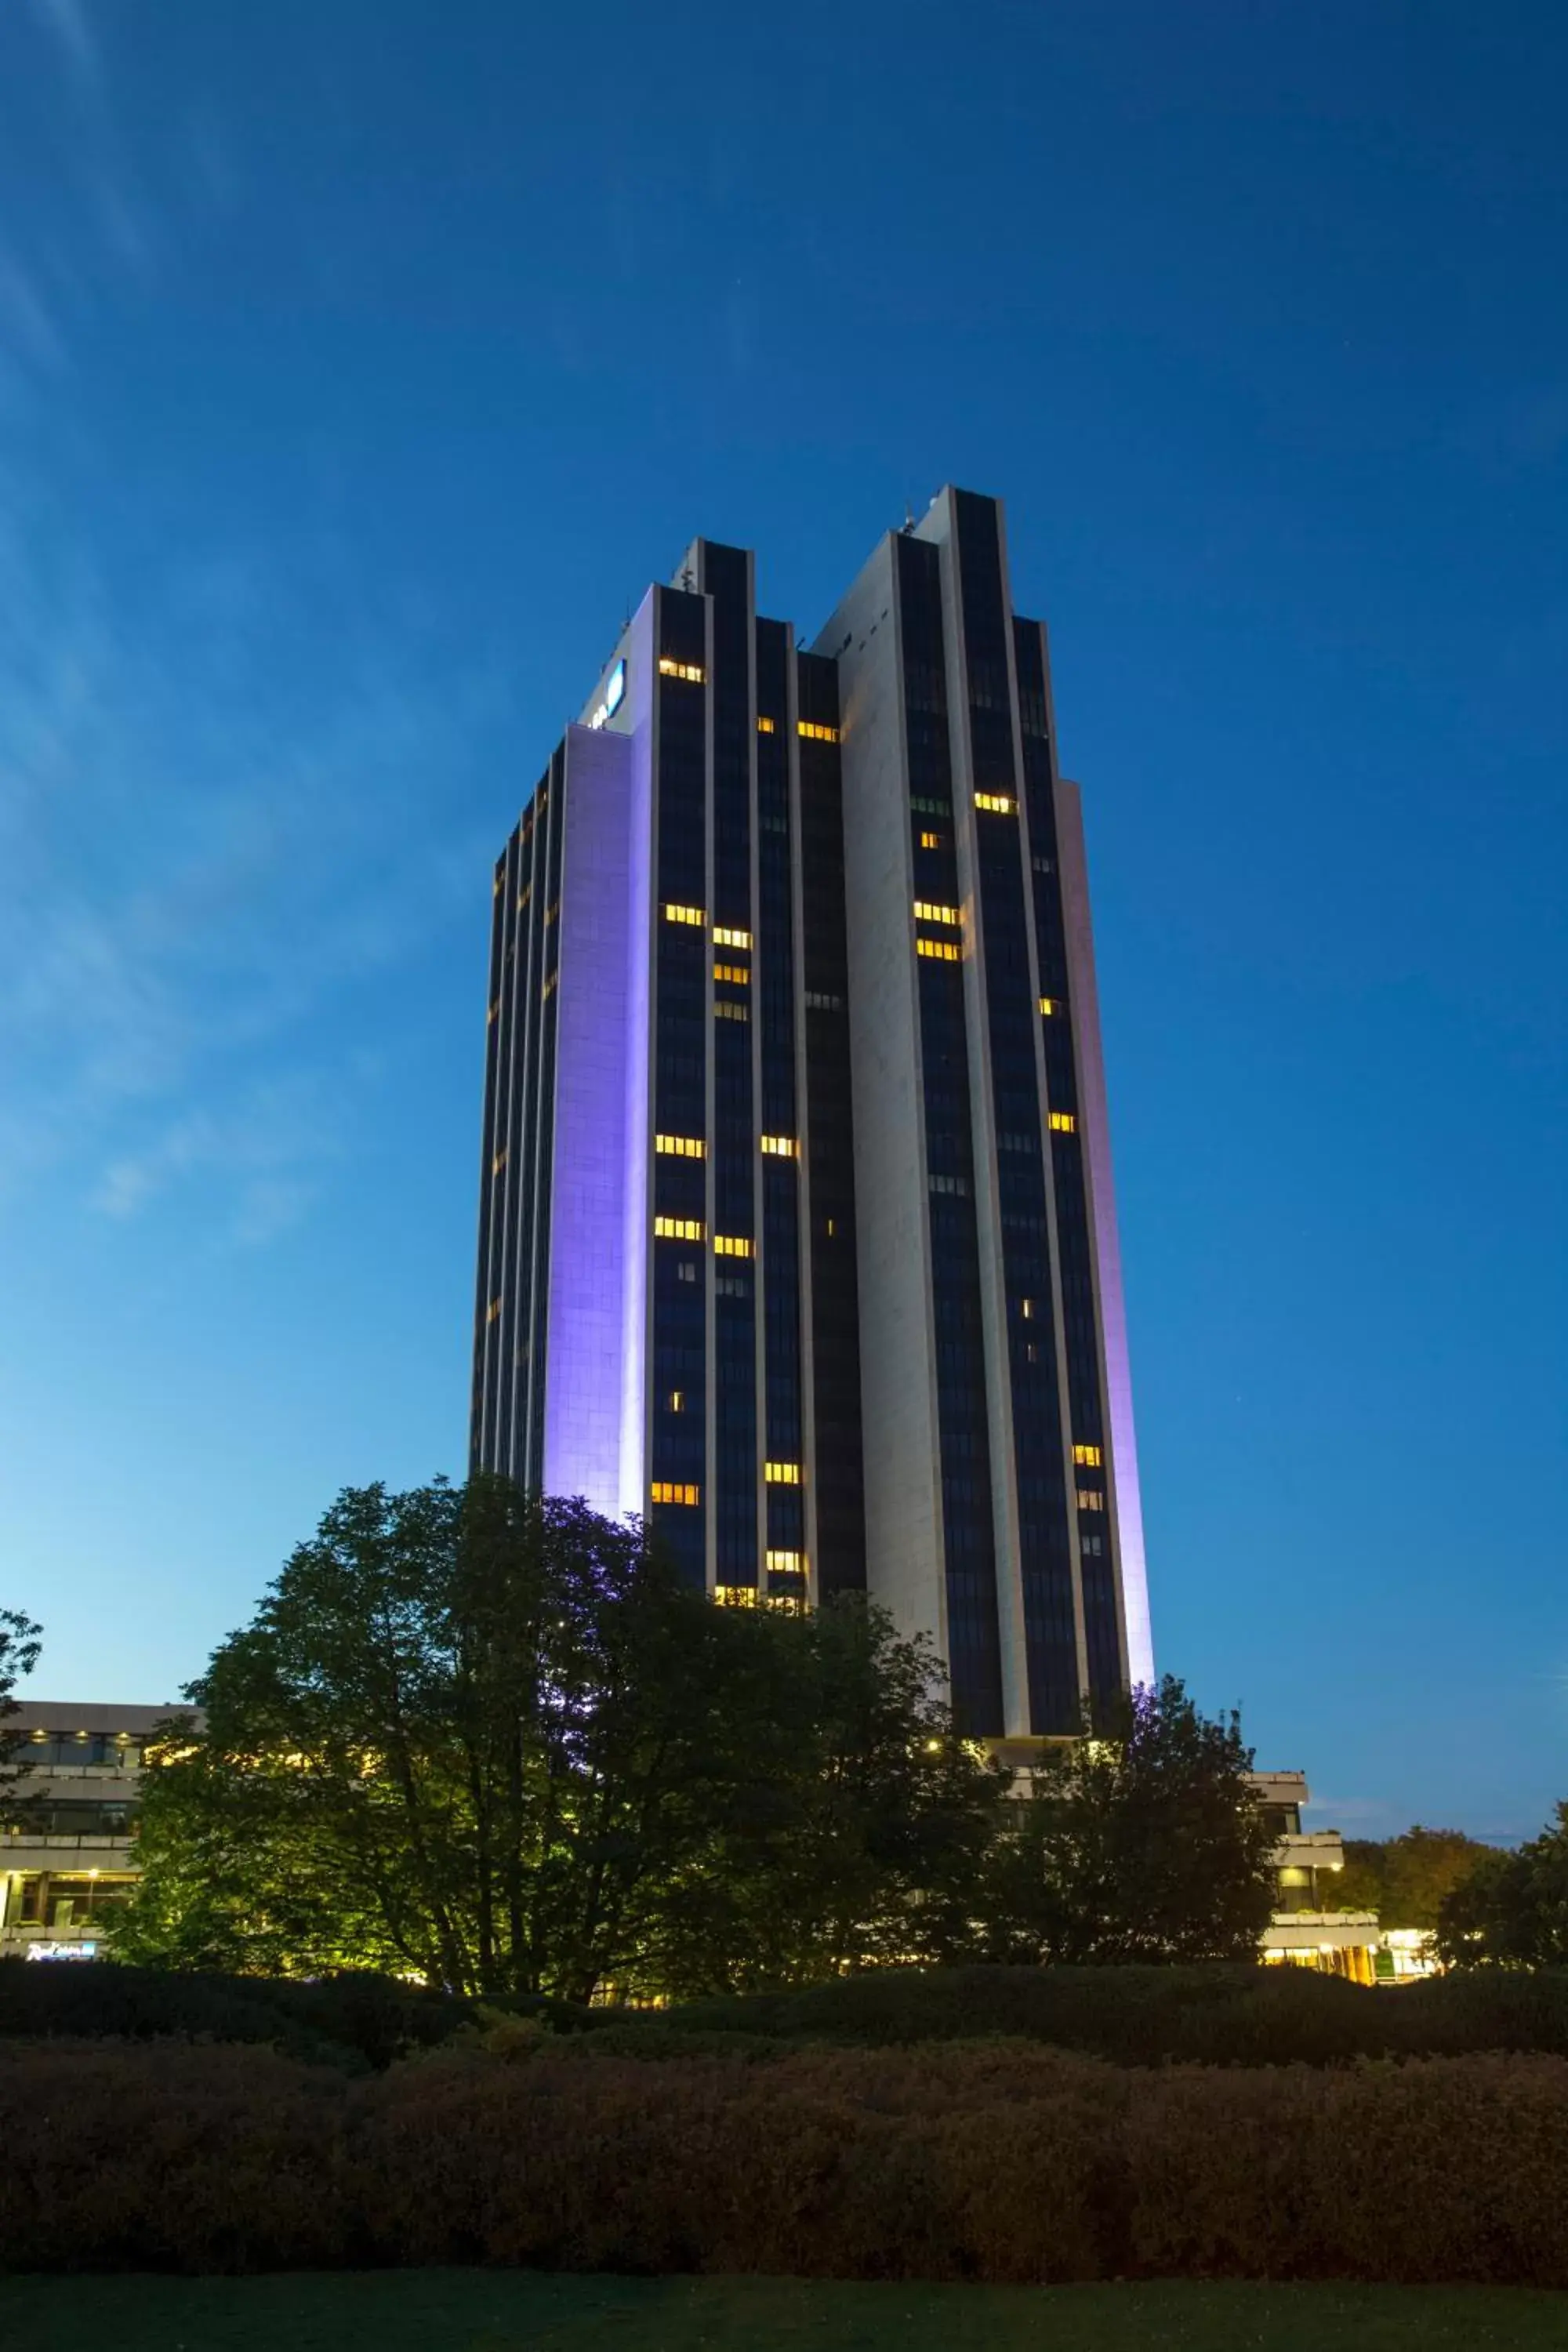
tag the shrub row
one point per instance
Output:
(995, 2162)
(1210, 2015)
(1137, 2016)
(351, 2020)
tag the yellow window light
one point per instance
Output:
(681, 1147)
(1088, 1500)
(930, 841)
(733, 1245)
(725, 1010)
(735, 1596)
(786, 1563)
(1087, 1457)
(498, 1162)
(673, 914)
(814, 732)
(549, 987)
(927, 911)
(1062, 1122)
(1027, 1310)
(492, 1010)
(998, 803)
(689, 673)
(666, 1490)
(724, 937)
(523, 896)
(781, 1147)
(678, 1400)
(678, 1229)
(1051, 1004)
(944, 951)
(781, 1473)
(738, 974)
(765, 726)
(492, 1311)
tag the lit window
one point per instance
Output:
(523, 896)
(1088, 1500)
(815, 734)
(723, 937)
(492, 1311)
(735, 1596)
(829, 1228)
(666, 1490)
(493, 1010)
(764, 726)
(781, 1473)
(552, 910)
(681, 1147)
(678, 1229)
(926, 912)
(498, 1162)
(781, 1147)
(738, 974)
(549, 987)
(944, 951)
(725, 1010)
(1087, 1457)
(496, 887)
(689, 673)
(930, 841)
(678, 1400)
(683, 914)
(733, 1245)
(1027, 1310)
(998, 803)
(1049, 1004)
(784, 1563)
(1063, 1122)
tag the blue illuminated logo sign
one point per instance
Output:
(615, 694)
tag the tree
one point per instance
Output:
(1404, 1879)
(20, 1644)
(1510, 1910)
(493, 1741)
(1142, 1843)
(866, 1842)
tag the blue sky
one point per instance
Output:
(360, 364)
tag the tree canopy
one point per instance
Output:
(1510, 1910)
(492, 1741)
(1141, 1841)
(1404, 1879)
(21, 1642)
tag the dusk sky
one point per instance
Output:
(361, 361)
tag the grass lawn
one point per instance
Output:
(513, 2311)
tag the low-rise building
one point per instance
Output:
(1309, 1930)
(70, 1859)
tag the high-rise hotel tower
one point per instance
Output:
(796, 1232)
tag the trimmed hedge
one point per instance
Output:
(1212, 2014)
(1215, 2014)
(1002, 2162)
(350, 2020)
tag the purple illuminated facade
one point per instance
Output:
(798, 1231)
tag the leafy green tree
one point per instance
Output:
(1406, 1879)
(866, 1842)
(21, 1643)
(1143, 1841)
(493, 1742)
(1510, 1910)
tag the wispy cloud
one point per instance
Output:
(67, 23)
(209, 839)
